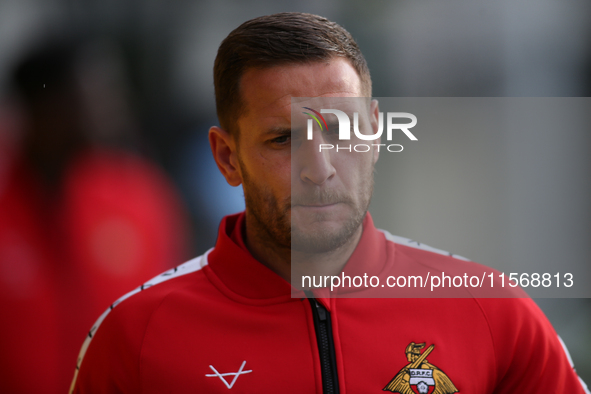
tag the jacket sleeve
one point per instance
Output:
(530, 357)
(110, 356)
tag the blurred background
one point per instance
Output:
(106, 178)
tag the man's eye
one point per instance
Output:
(281, 140)
(333, 129)
(332, 132)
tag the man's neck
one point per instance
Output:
(284, 261)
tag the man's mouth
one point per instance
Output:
(319, 200)
(310, 201)
(318, 205)
(310, 204)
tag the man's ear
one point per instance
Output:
(224, 149)
(374, 113)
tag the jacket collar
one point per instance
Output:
(235, 270)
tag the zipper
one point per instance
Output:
(326, 351)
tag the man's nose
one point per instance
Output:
(315, 165)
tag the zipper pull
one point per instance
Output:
(321, 311)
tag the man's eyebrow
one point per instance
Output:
(278, 130)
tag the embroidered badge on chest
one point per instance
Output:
(419, 376)
(222, 376)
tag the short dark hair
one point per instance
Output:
(273, 40)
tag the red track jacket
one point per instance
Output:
(224, 321)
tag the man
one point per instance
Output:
(227, 319)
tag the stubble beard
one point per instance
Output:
(273, 217)
(317, 239)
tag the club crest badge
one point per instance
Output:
(419, 376)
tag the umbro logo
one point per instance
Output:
(222, 375)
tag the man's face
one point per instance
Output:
(299, 197)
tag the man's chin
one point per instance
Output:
(322, 236)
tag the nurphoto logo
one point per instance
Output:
(345, 129)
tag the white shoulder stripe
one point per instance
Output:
(570, 360)
(190, 266)
(414, 244)
(584, 385)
